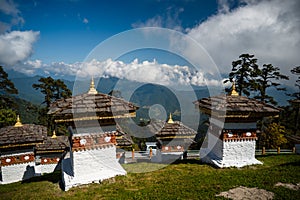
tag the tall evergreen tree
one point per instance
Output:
(244, 70)
(266, 78)
(53, 90)
(296, 71)
(6, 88)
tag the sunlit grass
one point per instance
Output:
(184, 180)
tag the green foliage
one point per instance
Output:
(6, 86)
(7, 117)
(184, 180)
(250, 78)
(52, 89)
(272, 134)
(265, 79)
(243, 72)
(296, 71)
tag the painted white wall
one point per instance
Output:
(235, 153)
(18, 172)
(239, 153)
(49, 168)
(90, 166)
(215, 145)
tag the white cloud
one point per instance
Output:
(168, 20)
(85, 21)
(146, 71)
(16, 46)
(12, 13)
(268, 29)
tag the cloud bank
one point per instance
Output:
(146, 71)
(11, 15)
(268, 29)
(16, 46)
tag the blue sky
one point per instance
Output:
(70, 29)
(54, 37)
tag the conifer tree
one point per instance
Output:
(7, 88)
(53, 90)
(296, 71)
(244, 70)
(266, 78)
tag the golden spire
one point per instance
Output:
(233, 91)
(170, 121)
(54, 135)
(92, 89)
(18, 123)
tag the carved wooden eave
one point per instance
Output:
(69, 118)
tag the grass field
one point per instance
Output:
(186, 179)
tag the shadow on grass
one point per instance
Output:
(294, 164)
(266, 155)
(54, 177)
(188, 161)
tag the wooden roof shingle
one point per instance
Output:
(172, 130)
(90, 103)
(25, 135)
(235, 106)
(49, 145)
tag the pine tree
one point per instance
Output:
(7, 88)
(243, 72)
(266, 78)
(296, 71)
(53, 90)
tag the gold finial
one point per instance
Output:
(170, 121)
(18, 123)
(92, 89)
(54, 135)
(233, 90)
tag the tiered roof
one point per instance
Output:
(53, 144)
(91, 106)
(235, 107)
(172, 129)
(22, 135)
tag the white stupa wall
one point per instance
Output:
(239, 153)
(17, 172)
(228, 153)
(95, 165)
(49, 168)
(215, 145)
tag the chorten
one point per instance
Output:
(231, 135)
(91, 119)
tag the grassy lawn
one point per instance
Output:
(184, 180)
